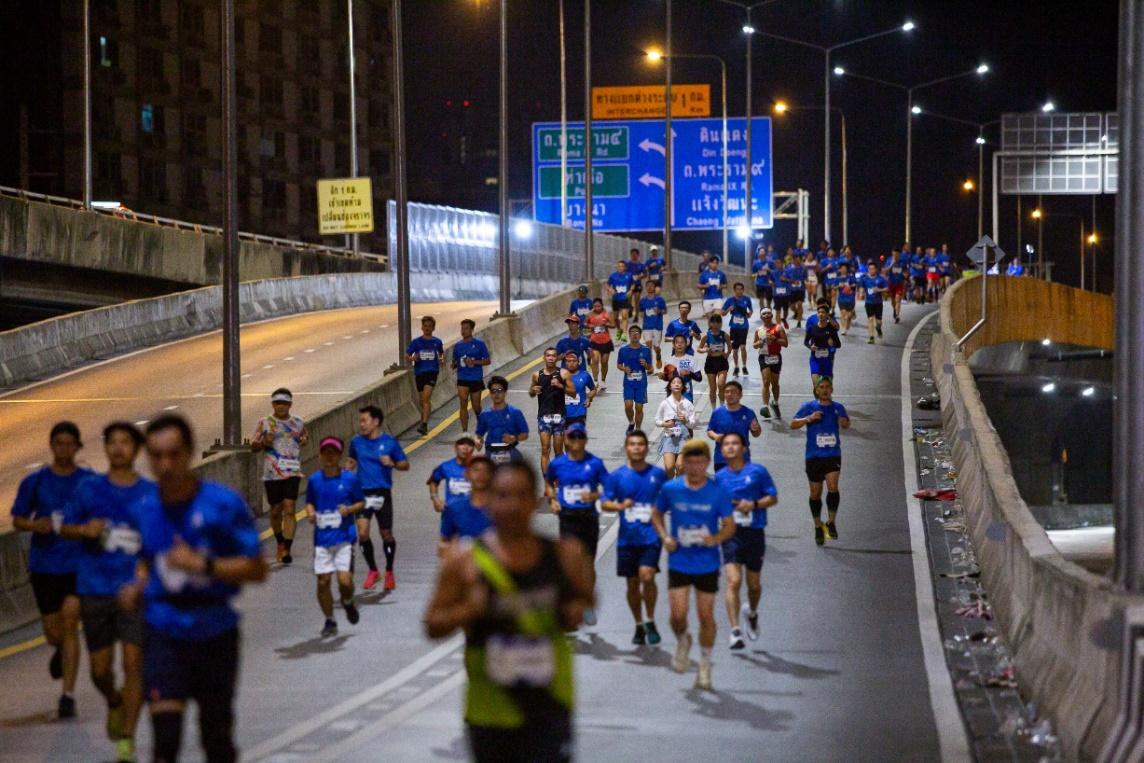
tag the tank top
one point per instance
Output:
(550, 401)
(770, 337)
(598, 325)
(716, 343)
(517, 657)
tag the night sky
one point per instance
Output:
(1065, 51)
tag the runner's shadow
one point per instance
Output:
(890, 551)
(458, 749)
(775, 664)
(372, 599)
(779, 556)
(310, 647)
(723, 706)
(649, 656)
(44, 718)
(596, 647)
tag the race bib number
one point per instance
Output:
(638, 512)
(571, 400)
(57, 521)
(743, 518)
(519, 661)
(690, 537)
(772, 360)
(822, 352)
(826, 440)
(329, 520)
(574, 493)
(675, 431)
(427, 354)
(796, 284)
(374, 502)
(896, 271)
(582, 311)
(716, 347)
(621, 289)
(780, 291)
(457, 486)
(552, 418)
(635, 376)
(122, 539)
(599, 329)
(931, 269)
(289, 464)
(176, 581)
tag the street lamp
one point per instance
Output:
(782, 107)
(656, 56)
(968, 184)
(980, 141)
(1039, 215)
(1049, 106)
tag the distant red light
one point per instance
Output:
(448, 104)
(466, 103)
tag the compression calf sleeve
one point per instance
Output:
(816, 508)
(367, 552)
(167, 728)
(832, 501)
(390, 548)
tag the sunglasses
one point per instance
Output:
(497, 390)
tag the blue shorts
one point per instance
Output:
(846, 305)
(821, 366)
(204, 671)
(636, 393)
(747, 547)
(551, 427)
(629, 559)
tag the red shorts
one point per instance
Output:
(933, 276)
(897, 289)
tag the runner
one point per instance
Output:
(281, 437)
(810, 267)
(676, 417)
(829, 265)
(873, 286)
(782, 291)
(732, 417)
(374, 455)
(764, 284)
(600, 323)
(655, 267)
(682, 364)
(466, 517)
(576, 406)
(333, 496)
(470, 356)
(793, 277)
(739, 307)
(514, 594)
(933, 275)
(846, 292)
(575, 342)
(198, 546)
(822, 341)
(581, 305)
(573, 483)
(945, 267)
(715, 344)
(683, 326)
(752, 492)
(52, 559)
(631, 491)
(100, 514)
(917, 276)
(501, 427)
(426, 353)
(896, 280)
(770, 339)
(711, 283)
(653, 307)
(452, 474)
(638, 271)
(621, 284)
(824, 419)
(700, 521)
(1015, 267)
(634, 362)
(549, 386)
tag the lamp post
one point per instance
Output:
(980, 141)
(231, 315)
(668, 186)
(401, 188)
(589, 241)
(911, 111)
(655, 56)
(782, 107)
(563, 122)
(505, 305)
(1039, 214)
(353, 104)
(87, 104)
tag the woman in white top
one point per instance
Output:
(676, 416)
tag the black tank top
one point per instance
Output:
(551, 399)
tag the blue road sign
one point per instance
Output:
(628, 174)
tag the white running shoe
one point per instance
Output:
(736, 639)
(703, 680)
(681, 661)
(589, 617)
(751, 622)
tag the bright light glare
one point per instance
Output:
(967, 185)
(1092, 239)
(487, 231)
(748, 29)
(980, 140)
(1046, 341)
(522, 228)
(743, 232)
(1050, 387)
(654, 55)
(909, 26)
(106, 204)
(839, 70)
(1088, 391)
(1037, 214)
(1049, 106)
(781, 107)
(983, 68)
(916, 110)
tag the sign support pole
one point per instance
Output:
(667, 165)
(589, 243)
(231, 354)
(401, 219)
(502, 160)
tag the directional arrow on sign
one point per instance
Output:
(647, 145)
(650, 180)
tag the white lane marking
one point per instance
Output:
(947, 715)
(348, 336)
(199, 394)
(244, 376)
(328, 344)
(308, 349)
(291, 357)
(268, 366)
(383, 326)
(170, 407)
(365, 331)
(36, 465)
(142, 422)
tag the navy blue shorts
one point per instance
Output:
(821, 366)
(204, 671)
(747, 547)
(629, 559)
(636, 393)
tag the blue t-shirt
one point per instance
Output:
(493, 425)
(823, 437)
(847, 286)
(740, 310)
(580, 345)
(643, 488)
(629, 356)
(44, 493)
(107, 564)
(896, 272)
(622, 283)
(635, 268)
(326, 494)
(791, 278)
(917, 265)
(653, 309)
(426, 354)
(574, 407)
(869, 283)
(712, 282)
(695, 515)
(367, 453)
(453, 475)
(751, 483)
(580, 308)
(572, 479)
(1015, 269)
(762, 271)
(461, 519)
(933, 265)
(191, 606)
(724, 421)
(473, 349)
(690, 330)
(655, 266)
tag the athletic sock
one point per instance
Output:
(832, 501)
(390, 547)
(367, 552)
(705, 653)
(278, 536)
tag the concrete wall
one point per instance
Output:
(1061, 621)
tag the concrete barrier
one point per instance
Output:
(1060, 620)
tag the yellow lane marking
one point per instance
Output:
(24, 646)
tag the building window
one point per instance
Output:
(194, 134)
(108, 52)
(192, 73)
(270, 39)
(311, 100)
(270, 92)
(151, 64)
(379, 162)
(109, 171)
(147, 118)
(273, 144)
(309, 150)
(341, 107)
(273, 195)
(152, 180)
(191, 21)
(194, 190)
(342, 157)
(103, 116)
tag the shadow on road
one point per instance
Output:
(726, 707)
(310, 647)
(774, 664)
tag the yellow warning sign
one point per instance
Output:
(345, 205)
(647, 101)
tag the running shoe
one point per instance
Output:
(798, 325)
(56, 665)
(879, 330)
(114, 725)
(897, 319)
(590, 617)
(752, 621)
(125, 750)
(844, 332)
(371, 579)
(736, 640)
(682, 658)
(329, 629)
(819, 536)
(620, 336)
(765, 412)
(423, 428)
(775, 410)
(832, 530)
(352, 613)
(640, 637)
(785, 324)
(736, 371)
(653, 637)
(281, 551)
(390, 581)
(66, 706)
(870, 340)
(287, 558)
(703, 679)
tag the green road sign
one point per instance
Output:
(608, 181)
(610, 143)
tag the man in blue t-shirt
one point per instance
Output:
(100, 515)
(621, 284)
(638, 272)
(451, 474)
(845, 291)
(374, 455)
(470, 356)
(631, 491)
(656, 264)
(752, 492)
(824, 419)
(576, 406)
(634, 362)
(764, 285)
(333, 496)
(426, 353)
(52, 559)
(873, 286)
(700, 521)
(198, 546)
(732, 416)
(466, 516)
(581, 305)
(573, 482)
(501, 427)
(738, 306)
(653, 307)
(711, 284)
(575, 342)
(896, 272)
(683, 326)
